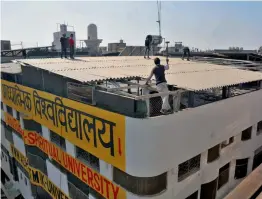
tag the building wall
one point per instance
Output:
(154, 147)
(192, 132)
(24, 185)
(201, 128)
(5, 45)
(115, 47)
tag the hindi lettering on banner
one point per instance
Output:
(100, 132)
(37, 177)
(87, 175)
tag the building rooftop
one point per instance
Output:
(11, 68)
(189, 75)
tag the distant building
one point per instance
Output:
(234, 49)
(57, 35)
(5, 45)
(92, 41)
(103, 49)
(116, 47)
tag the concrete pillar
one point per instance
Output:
(191, 99)
(176, 101)
(145, 91)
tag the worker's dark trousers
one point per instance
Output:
(147, 51)
(72, 52)
(63, 51)
(186, 52)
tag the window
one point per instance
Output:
(74, 192)
(209, 190)
(259, 127)
(193, 196)
(227, 142)
(246, 134)
(188, 167)
(140, 185)
(32, 125)
(223, 175)
(25, 181)
(9, 110)
(2, 106)
(58, 140)
(213, 153)
(9, 134)
(241, 168)
(21, 176)
(87, 158)
(18, 115)
(257, 158)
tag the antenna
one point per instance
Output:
(159, 15)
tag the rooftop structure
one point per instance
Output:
(108, 138)
(92, 41)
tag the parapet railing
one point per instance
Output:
(142, 101)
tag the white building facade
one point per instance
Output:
(196, 153)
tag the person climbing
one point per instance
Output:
(161, 83)
(63, 41)
(186, 51)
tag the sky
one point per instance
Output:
(204, 25)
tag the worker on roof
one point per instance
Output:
(72, 46)
(161, 83)
(186, 51)
(63, 41)
(147, 45)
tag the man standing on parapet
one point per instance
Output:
(63, 41)
(161, 83)
(147, 45)
(186, 51)
(72, 46)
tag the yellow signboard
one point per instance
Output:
(87, 175)
(100, 132)
(37, 177)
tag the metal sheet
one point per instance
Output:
(185, 74)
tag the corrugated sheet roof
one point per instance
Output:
(11, 68)
(188, 75)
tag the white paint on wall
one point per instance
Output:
(57, 177)
(106, 169)
(169, 140)
(5, 165)
(19, 144)
(4, 141)
(45, 132)
(70, 148)
(24, 185)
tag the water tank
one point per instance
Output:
(92, 32)
(63, 28)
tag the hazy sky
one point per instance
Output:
(196, 24)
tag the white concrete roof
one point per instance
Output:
(184, 74)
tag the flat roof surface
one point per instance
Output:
(190, 75)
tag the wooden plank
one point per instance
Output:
(248, 186)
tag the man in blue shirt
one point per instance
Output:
(63, 41)
(161, 83)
